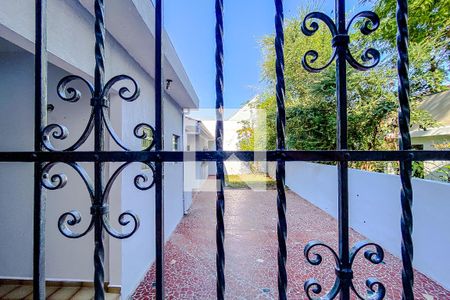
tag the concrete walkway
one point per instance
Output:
(251, 252)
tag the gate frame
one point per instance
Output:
(44, 156)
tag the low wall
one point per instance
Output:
(375, 211)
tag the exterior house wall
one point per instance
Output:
(71, 42)
(433, 169)
(375, 210)
(17, 109)
(173, 184)
(15, 259)
(138, 252)
(198, 138)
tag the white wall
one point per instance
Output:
(375, 211)
(138, 252)
(195, 172)
(16, 182)
(173, 185)
(433, 169)
(16, 204)
(130, 258)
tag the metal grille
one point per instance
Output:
(45, 155)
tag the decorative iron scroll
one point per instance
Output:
(376, 288)
(342, 54)
(68, 93)
(73, 217)
(370, 55)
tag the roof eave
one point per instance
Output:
(139, 16)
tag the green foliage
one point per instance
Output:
(429, 49)
(426, 18)
(246, 136)
(443, 173)
(372, 102)
(418, 169)
(246, 181)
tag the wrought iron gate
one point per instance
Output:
(45, 155)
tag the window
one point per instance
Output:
(175, 142)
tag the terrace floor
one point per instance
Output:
(68, 291)
(251, 252)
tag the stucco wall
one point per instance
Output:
(375, 211)
(130, 258)
(195, 172)
(433, 169)
(16, 125)
(138, 252)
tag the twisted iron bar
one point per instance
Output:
(281, 145)
(312, 286)
(220, 176)
(40, 121)
(99, 118)
(370, 55)
(405, 144)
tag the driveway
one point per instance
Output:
(251, 252)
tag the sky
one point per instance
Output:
(190, 25)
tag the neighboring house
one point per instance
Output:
(197, 138)
(438, 106)
(248, 112)
(130, 51)
(231, 134)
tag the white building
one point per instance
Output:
(197, 138)
(438, 138)
(130, 51)
(255, 118)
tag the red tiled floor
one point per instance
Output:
(251, 252)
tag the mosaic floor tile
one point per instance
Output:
(251, 252)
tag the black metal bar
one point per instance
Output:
(220, 175)
(40, 113)
(178, 156)
(344, 259)
(99, 136)
(341, 44)
(281, 145)
(159, 146)
(405, 144)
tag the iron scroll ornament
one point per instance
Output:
(370, 56)
(70, 94)
(59, 132)
(73, 217)
(377, 290)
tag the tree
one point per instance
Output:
(429, 49)
(246, 136)
(372, 102)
